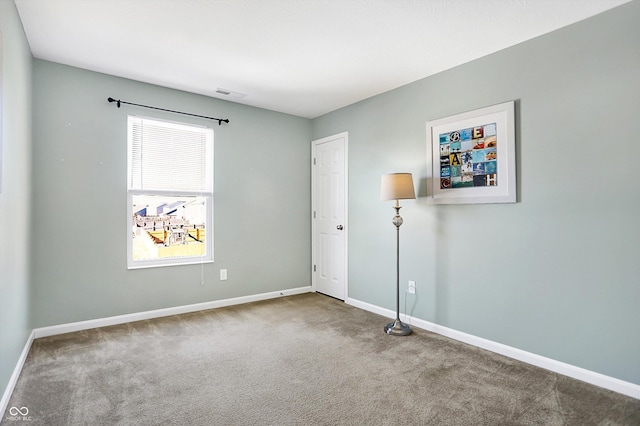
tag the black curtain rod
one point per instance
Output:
(118, 102)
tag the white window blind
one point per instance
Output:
(167, 156)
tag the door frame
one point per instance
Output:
(314, 144)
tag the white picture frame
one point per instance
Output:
(471, 157)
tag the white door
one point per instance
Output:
(329, 210)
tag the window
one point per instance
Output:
(170, 193)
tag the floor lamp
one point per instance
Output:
(397, 186)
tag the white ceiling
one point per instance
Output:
(302, 57)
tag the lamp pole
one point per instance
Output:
(397, 328)
(397, 186)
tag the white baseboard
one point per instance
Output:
(14, 376)
(139, 316)
(607, 382)
(588, 376)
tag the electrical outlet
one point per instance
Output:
(223, 274)
(411, 288)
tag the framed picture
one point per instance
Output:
(471, 157)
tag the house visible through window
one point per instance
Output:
(170, 193)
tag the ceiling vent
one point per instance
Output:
(230, 93)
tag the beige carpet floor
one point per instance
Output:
(298, 360)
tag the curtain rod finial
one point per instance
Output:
(110, 99)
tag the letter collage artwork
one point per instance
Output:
(469, 157)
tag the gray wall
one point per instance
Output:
(262, 200)
(15, 101)
(557, 273)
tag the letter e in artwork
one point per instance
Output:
(478, 132)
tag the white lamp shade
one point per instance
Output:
(397, 186)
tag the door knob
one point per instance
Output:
(340, 227)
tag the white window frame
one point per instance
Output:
(206, 194)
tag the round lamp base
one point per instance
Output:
(397, 328)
